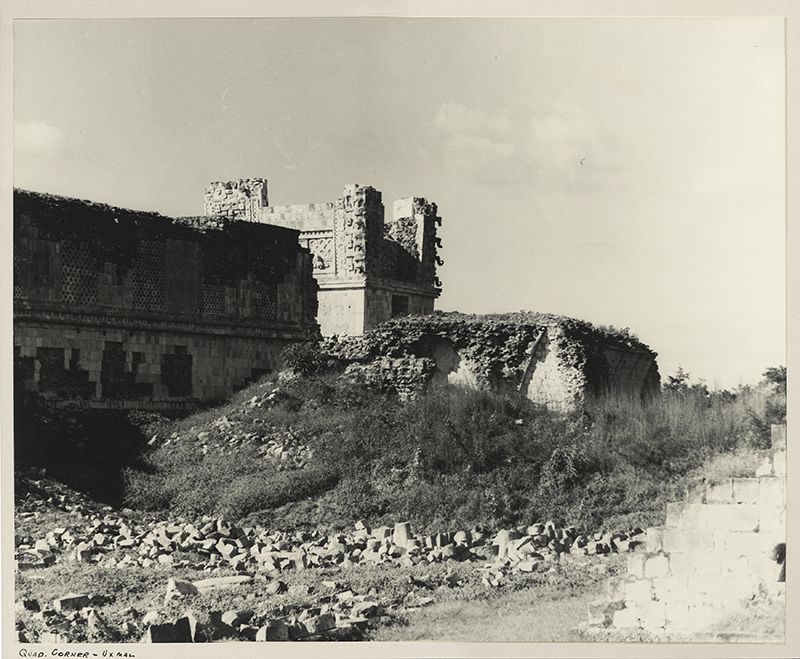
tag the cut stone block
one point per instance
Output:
(702, 590)
(719, 517)
(222, 582)
(319, 623)
(746, 544)
(273, 630)
(636, 565)
(674, 514)
(652, 614)
(720, 492)
(694, 517)
(678, 541)
(616, 588)
(656, 566)
(402, 532)
(639, 591)
(677, 614)
(707, 563)
(164, 633)
(627, 618)
(236, 618)
(70, 603)
(779, 464)
(730, 590)
(655, 537)
(671, 588)
(733, 565)
(744, 518)
(700, 616)
(745, 490)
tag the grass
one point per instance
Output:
(534, 609)
(449, 460)
(522, 617)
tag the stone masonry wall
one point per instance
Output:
(113, 306)
(712, 553)
(341, 311)
(353, 247)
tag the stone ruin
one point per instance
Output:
(120, 308)
(368, 269)
(552, 360)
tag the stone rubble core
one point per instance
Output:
(713, 553)
(552, 360)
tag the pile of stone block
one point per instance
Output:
(716, 549)
(217, 544)
(338, 615)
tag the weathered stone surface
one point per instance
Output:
(273, 630)
(70, 603)
(236, 618)
(179, 587)
(222, 582)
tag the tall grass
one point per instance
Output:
(456, 458)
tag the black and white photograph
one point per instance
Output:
(448, 331)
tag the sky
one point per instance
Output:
(624, 171)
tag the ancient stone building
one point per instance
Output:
(114, 307)
(368, 270)
(553, 360)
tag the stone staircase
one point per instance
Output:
(716, 549)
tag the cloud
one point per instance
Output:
(37, 137)
(559, 146)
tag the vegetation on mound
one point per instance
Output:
(323, 451)
(496, 345)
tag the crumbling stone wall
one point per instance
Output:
(368, 269)
(713, 553)
(113, 306)
(552, 360)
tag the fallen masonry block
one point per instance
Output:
(164, 633)
(42, 545)
(196, 628)
(99, 627)
(273, 630)
(217, 628)
(70, 603)
(151, 618)
(178, 587)
(223, 582)
(28, 605)
(366, 610)
(236, 618)
(276, 587)
(320, 623)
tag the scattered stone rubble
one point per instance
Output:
(254, 557)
